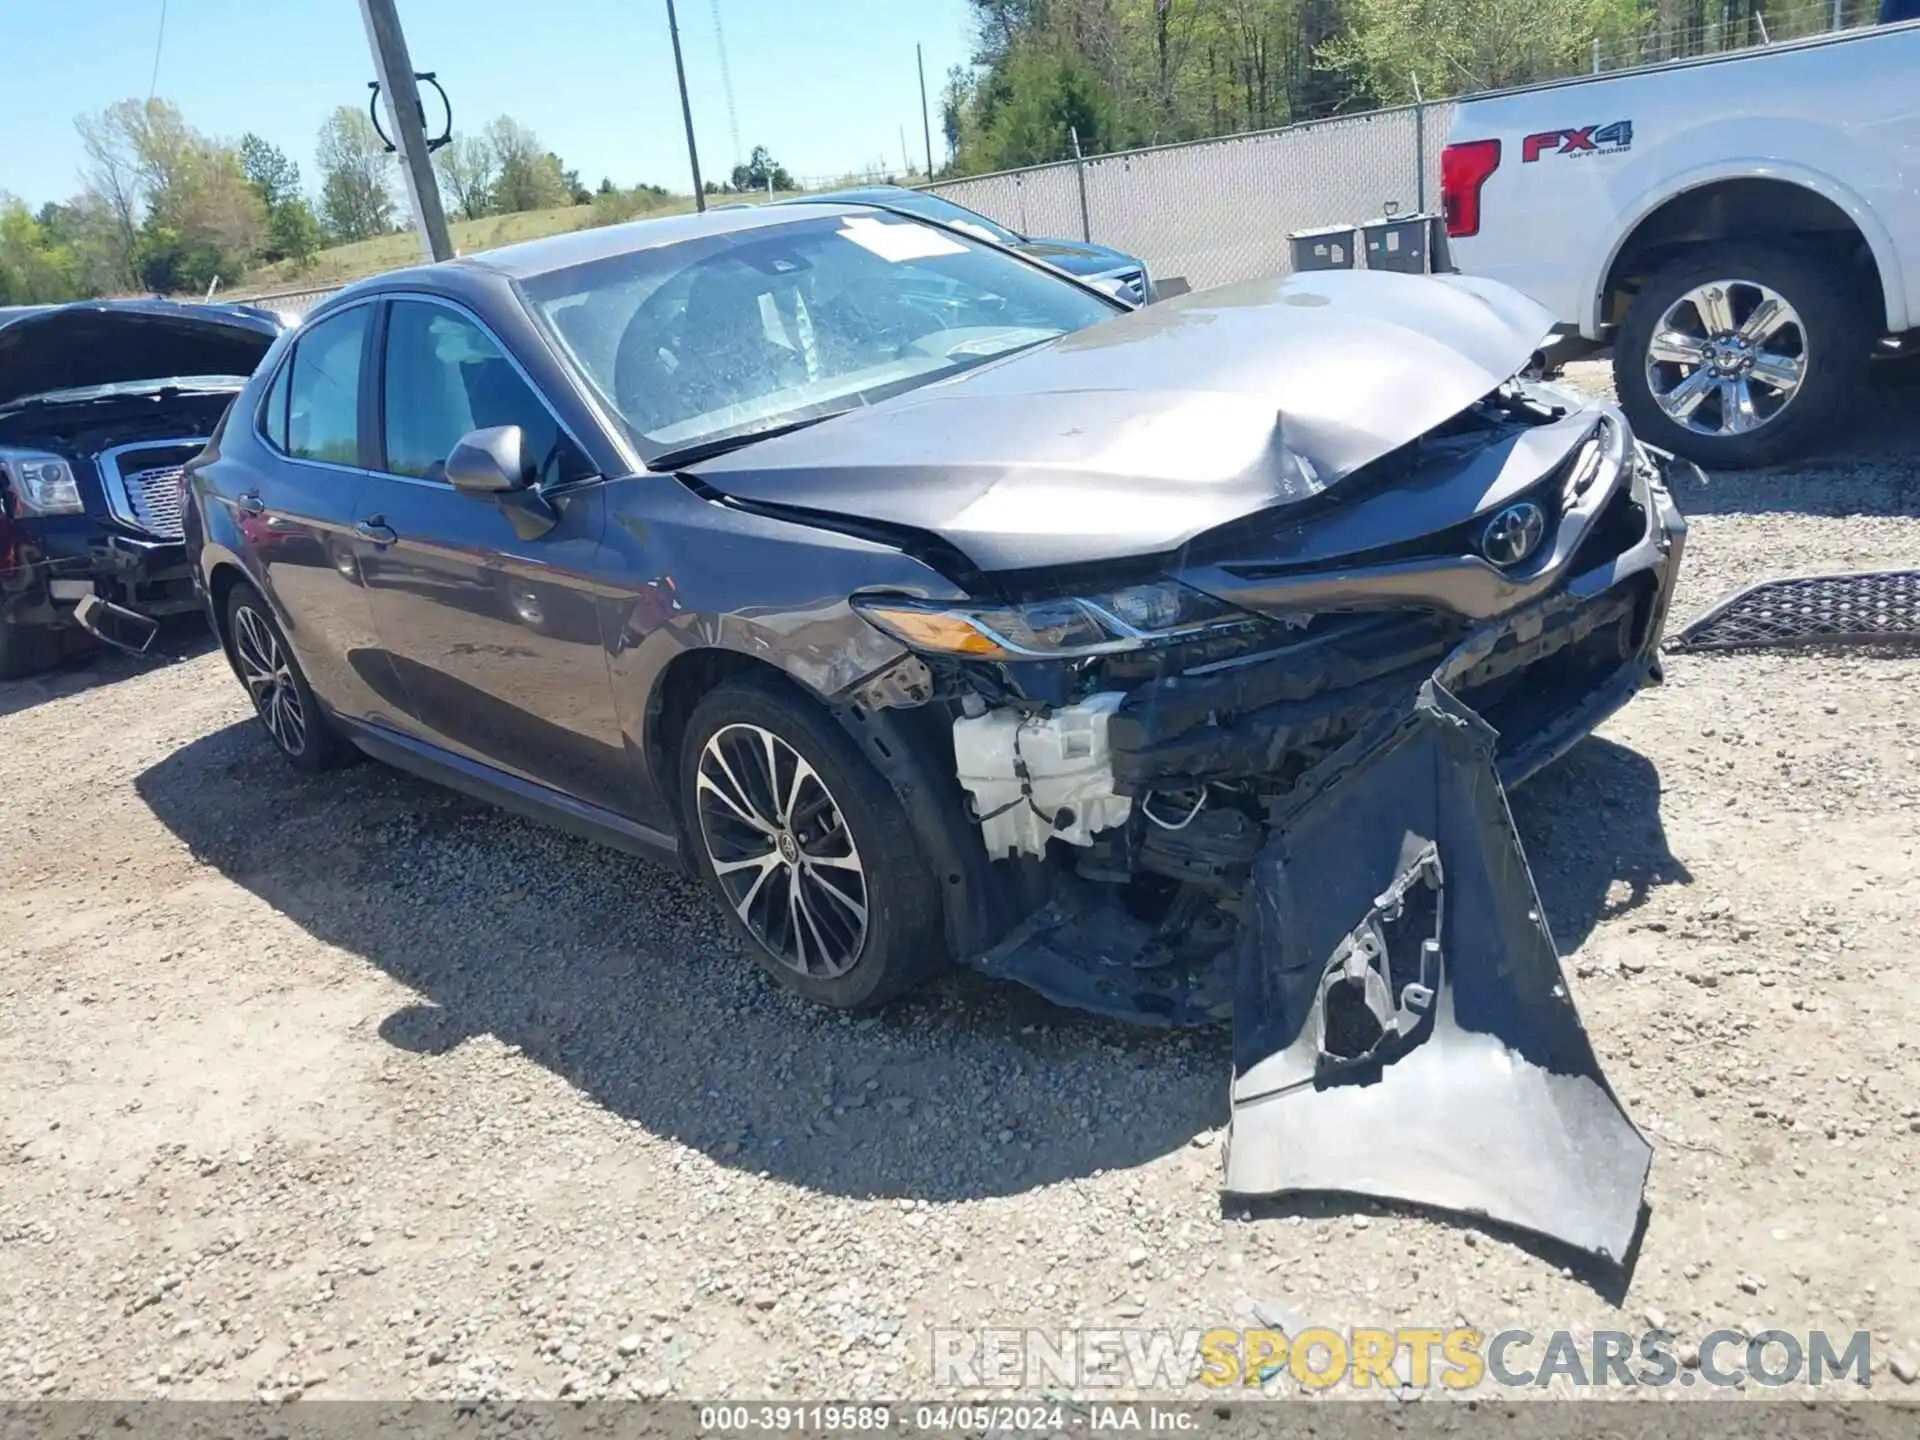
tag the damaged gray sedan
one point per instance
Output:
(935, 608)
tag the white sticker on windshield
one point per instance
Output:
(979, 232)
(899, 239)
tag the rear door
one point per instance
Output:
(496, 639)
(295, 512)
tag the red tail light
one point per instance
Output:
(12, 543)
(1463, 170)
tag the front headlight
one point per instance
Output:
(1128, 619)
(41, 484)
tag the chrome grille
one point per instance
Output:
(146, 494)
(154, 496)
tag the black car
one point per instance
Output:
(101, 405)
(934, 607)
(1125, 276)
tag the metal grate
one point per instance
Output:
(1811, 610)
(156, 499)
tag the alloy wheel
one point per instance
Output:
(1727, 357)
(268, 676)
(781, 850)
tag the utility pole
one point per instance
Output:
(402, 94)
(686, 112)
(926, 125)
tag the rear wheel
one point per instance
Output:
(1742, 353)
(807, 847)
(274, 682)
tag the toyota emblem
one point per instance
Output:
(1514, 534)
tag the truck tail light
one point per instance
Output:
(1464, 169)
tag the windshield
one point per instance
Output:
(733, 334)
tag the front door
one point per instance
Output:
(497, 640)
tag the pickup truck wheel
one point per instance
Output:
(281, 697)
(27, 650)
(1742, 354)
(807, 847)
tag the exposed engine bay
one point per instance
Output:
(1286, 808)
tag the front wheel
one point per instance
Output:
(807, 847)
(28, 649)
(1742, 354)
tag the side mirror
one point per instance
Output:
(490, 461)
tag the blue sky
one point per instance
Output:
(826, 85)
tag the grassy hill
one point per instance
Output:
(342, 263)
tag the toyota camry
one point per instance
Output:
(935, 607)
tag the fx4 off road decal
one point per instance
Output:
(1588, 140)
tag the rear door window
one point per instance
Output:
(323, 390)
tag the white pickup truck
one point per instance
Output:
(1744, 229)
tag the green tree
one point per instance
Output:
(954, 100)
(36, 268)
(295, 232)
(274, 177)
(356, 176)
(467, 171)
(1465, 45)
(1045, 96)
(760, 171)
(529, 174)
(165, 207)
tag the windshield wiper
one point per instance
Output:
(723, 444)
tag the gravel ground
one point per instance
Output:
(352, 1087)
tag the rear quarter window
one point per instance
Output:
(273, 406)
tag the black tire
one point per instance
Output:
(1836, 333)
(28, 650)
(313, 745)
(902, 942)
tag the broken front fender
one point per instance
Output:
(1402, 1025)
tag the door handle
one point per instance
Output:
(251, 504)
(375, 530)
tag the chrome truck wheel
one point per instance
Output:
(1744, 353)
(1727, 357)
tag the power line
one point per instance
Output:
(726, 84)
(159, 40)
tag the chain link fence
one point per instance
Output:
(1214, 211)
(286, 302)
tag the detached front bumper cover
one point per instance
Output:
(1402, 1024)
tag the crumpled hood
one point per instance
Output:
(1134, 436)
(106, 342)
